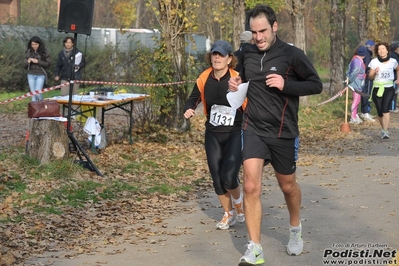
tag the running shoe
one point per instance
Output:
(227, 221)
(368, 117)
(253, 255)
(355, 120)
(384, 134)
(295, 245)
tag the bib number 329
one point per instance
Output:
(222, 115)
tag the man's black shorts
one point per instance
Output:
(281, 153)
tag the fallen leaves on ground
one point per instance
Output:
(132, 217)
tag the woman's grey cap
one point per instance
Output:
(222, 47)
(246, 36)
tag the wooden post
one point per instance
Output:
(345, 126)
(48, 140)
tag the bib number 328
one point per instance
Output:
(222, 115)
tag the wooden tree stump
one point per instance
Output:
(48, 140)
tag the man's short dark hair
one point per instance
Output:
(264, 10)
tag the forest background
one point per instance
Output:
(328, 31)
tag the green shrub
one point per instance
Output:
(13, 77)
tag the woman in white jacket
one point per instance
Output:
(382, 72)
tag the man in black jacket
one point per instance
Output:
(278, 73)
(63, 67)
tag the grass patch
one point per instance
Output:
(11, 183)
(138, 167)
(47, 209)
(59, 169)
(16, 185)
(324, 74)
(199, 181)
(119, 187)
(17, 219)
(132, 168)
(77, 194)
(315, 117)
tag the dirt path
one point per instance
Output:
(13, 129)
(350, 193)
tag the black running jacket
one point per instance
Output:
(270, 112)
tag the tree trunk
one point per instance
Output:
(383, 20)
(298, 23)
(138, 15)
(174, 29)
(48, 141)
(238, 22)
(337, 39)
(298, 26)
(362, 21)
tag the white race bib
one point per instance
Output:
(222, 115)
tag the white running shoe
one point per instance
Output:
(227, 221)
(356, 120)
(295, 245)
(368, 117)
(253, 255)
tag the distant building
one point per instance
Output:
(10, 10)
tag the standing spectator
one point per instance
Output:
(394, 53)
(368, 84)
(279, 74)
(63, 67)
(222, 130)
(245, 39)
(37, 59)
(356, 75)
(382, 71)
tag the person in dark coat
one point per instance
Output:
(245, 39)
(63, 67)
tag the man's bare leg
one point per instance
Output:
(292, 195)
(252, 197)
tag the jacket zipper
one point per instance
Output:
(261, 61)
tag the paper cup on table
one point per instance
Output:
(91, 94)
(236, 98)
